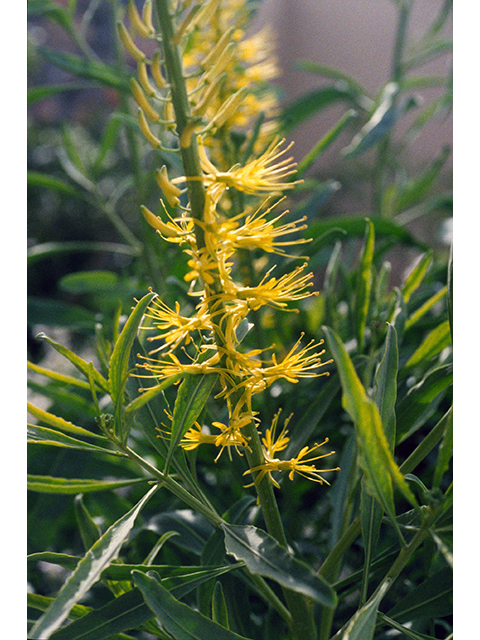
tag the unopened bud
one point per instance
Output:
(130, 46)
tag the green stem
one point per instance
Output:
(301, 611)
(183, 117)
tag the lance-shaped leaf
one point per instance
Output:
(434, 342)
(386, 385)
(265, 557)
(182, 622)
(433, 598)
(60, 423)
(87, 572)
(43, 435)
(191, 398)
(49, 484)
(364, 283)
(83, 366)
(129, 611)
(118, 370)
(362, 625)
(376, 458)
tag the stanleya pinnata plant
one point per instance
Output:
(193, 90)
(202, 94)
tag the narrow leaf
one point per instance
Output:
(265, 557)
(362, 625)
(89, 529)
(376, 458)
(43, 435)
(219, 606)
(128, 611)
(60, 423)
(434, 342)
(364, 284)
(88, 571)
(87, 69)
(386, 386)
(191, 398)
(422, 400)
(182, 622)
(118, 370)
(446, 448)
(79, 363)
(431, 599)
(48, 484)
(415, 277)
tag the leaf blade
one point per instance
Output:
(88, 571)
(265, 557)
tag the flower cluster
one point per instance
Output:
(220, 67)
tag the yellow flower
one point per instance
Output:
(172, 366)
(267, 173)
(297, 364)
(194, 437)
(299, 464)
(275, 292)
(230, 435)
(176, 328)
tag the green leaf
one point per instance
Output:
(42, 435)
(432, 345)
(385, 395)
(82, 282)
(324, 142)
(219, 606)
(307, 105)
(376, 458)
(431, 599)
(362, 625)
(371, 518)
(415, 277)
(415, 191)
(265, 557)
(87, 69)
(61, 378)
(60, 423)
(44, 91)
(56, 313)
(48, 249)
(445, 451)
(81, 364)
(37, 179)
(381, 121)
(128, 611)
(422, 400)
(191, 398)
(119, 360)
(150, 393)
(364, 284)
(425, 308)
(41, 603)
(88, 571)
(89, 529)
(48, 484)
(61, 559)
(354, 226)
(182, 622)
(177, 579)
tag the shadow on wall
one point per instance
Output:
(357, 37)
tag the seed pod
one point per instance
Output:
(130, 46)
(145, 129)
(139, 96)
